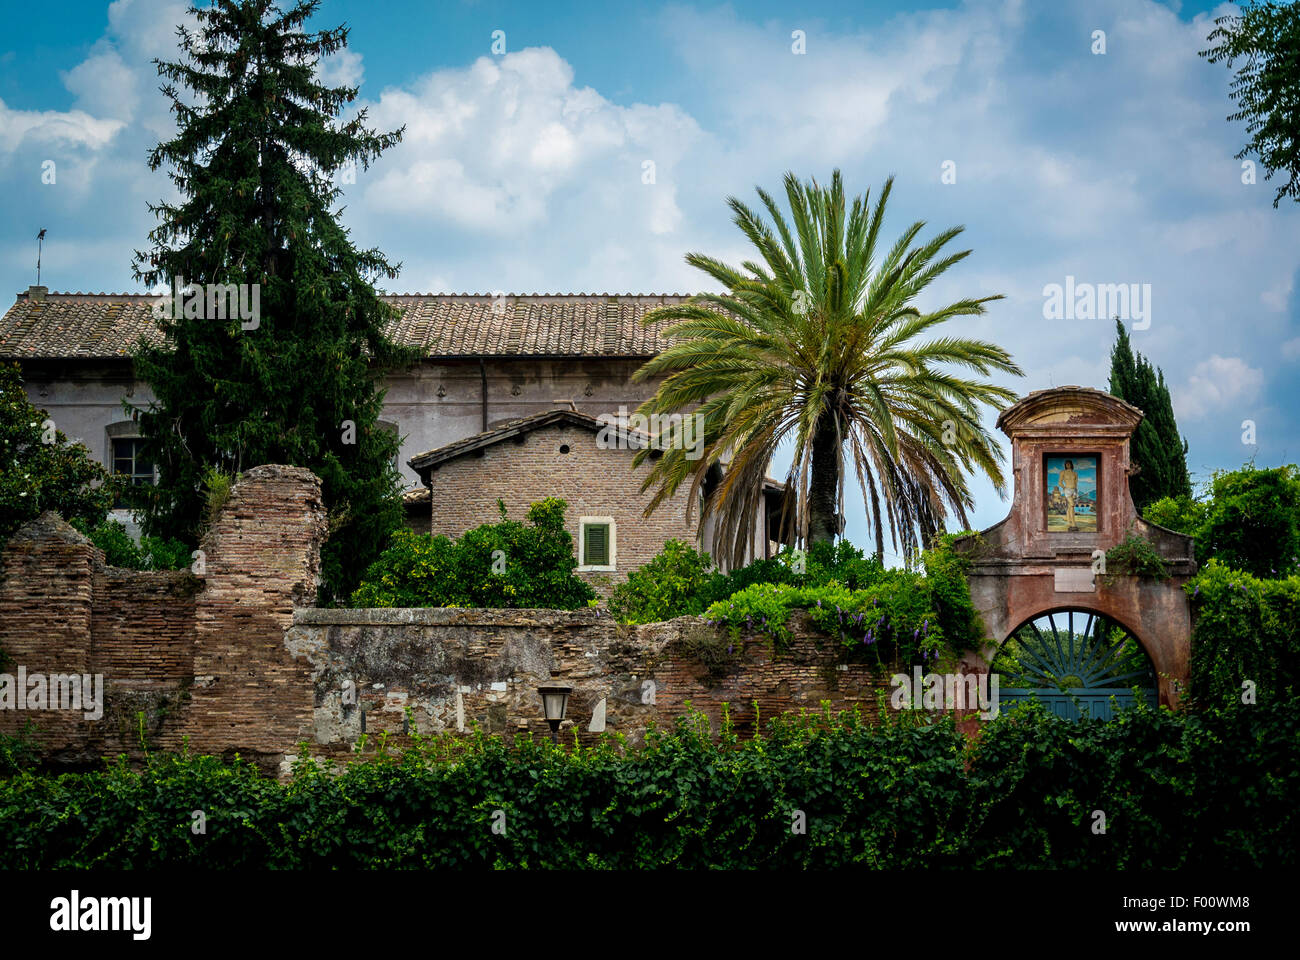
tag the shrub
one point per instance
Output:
(896, 616)
(1134, 556)
(151, 553)
(904, 794)
(1249, 519)
(1246, 629)
(680, 581)
(505, 564)
(671, 585)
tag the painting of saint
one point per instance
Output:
(1072, 494)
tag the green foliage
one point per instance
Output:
(817, 343)
(216, 487)
(1182, 514)
(535, 562)
(1253, 520)
(1134, 556)
(20, 751)
(151, 553)
(1157, 449)
(37, 476)
(670, 585)
(1248, 519)
(1266, 37)
(907, 794)
(255, 160)
(680, 581)
(887, 616)
(1246, 629)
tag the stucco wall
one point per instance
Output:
(84, 398)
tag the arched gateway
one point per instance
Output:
(1032, 575)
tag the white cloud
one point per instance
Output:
(342, 69)
(54, 128)
(1218, 383)
(500, 146)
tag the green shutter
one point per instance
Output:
(595, 546)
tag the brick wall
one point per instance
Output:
(239, 661)
(62, 611)
(197, 657)
(594, 482)
(263, 559)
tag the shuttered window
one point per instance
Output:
(595, 544)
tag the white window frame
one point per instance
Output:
(582, 545)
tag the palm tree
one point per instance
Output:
(816, 343)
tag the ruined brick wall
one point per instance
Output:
(263, 560)
(63, 611)
(238, 661)
(458, 668)
(179, 655)
(594, 482)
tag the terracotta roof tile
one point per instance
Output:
(105, 325)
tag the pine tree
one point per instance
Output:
(292, 376)
(1157, 450)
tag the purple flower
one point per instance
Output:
(730, 647)
(1197, 592)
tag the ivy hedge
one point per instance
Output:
(1211, 789)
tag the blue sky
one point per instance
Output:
(523, 172)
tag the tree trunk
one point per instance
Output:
(824, 484)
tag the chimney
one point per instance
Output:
(37, 294)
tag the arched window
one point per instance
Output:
(124, 455)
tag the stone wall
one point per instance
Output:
(457, 668)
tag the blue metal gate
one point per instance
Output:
(1090, 671)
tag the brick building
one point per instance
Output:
(586, 461)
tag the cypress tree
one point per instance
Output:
(292, 378)
(1157, 449)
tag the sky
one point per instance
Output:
(525, 168)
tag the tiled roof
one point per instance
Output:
(105, 325)
(422, 463)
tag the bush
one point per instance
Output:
(506, 564)
(906, 794)
(1246, 629)
(680, 581)
(151, 553)
(670, 585)
(877, 614)
(1249, 519)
